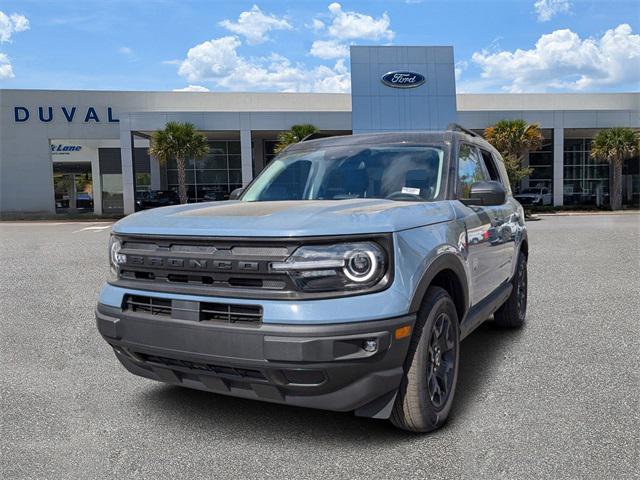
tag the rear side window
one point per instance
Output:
(470, 169)
(490, 163)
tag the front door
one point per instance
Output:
(485, 228)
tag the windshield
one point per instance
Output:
(339, 173)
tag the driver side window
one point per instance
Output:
(470, 170)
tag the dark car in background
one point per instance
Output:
(156, 198)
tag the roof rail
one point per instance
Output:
(460, 128)
(313, 136)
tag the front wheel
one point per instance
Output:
(431, 368)
(513, 312)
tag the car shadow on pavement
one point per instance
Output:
(480, 355)
(254, 419)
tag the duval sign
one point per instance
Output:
(47, 114)
(403, 79)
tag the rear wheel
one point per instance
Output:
(513, 312)
(431, 368)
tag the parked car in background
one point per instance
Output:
(215, 195)
(343, 277)
(84, 200)
(156, 198)
(535, 196)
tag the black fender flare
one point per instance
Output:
(446, 261)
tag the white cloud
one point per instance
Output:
(212, 59)
(547, 9)
(347, 25)
(6, 70)
(328, 49)
(192, 88)
(317, 25)
(561, 60)
(218, 61)
(10, 24)
(126, 51)
(255, 24)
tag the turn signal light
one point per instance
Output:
(403, 332)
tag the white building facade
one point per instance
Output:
(70, 151)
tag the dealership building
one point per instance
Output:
(68, 151)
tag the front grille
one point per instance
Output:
(148, 305)
(194, 311)
(206, 263)
(230, 313)
(227, 267)
(208, 367)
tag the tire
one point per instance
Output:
(418, 406)
(513, 312)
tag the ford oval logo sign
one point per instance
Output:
(402, 79)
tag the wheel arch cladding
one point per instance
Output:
(524, 247)
(446, 272)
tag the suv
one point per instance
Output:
(343, 277)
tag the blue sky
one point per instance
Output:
(268, 45)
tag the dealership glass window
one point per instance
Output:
(112, 201)
(631, 182)
(269, 150)
(73, 187)
(541, 161)
(212, 177)
(111, 180)
(142, 169)
(586, 180)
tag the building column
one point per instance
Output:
(558, 166)
(96, 181)
(126, 156)
(154, 166)
(246, 157)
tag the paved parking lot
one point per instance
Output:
(557, 399)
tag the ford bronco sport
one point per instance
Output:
(343, 277)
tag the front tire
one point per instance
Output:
(513, 312)
(431, 368)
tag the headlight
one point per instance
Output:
(115, 257)
(343, 266)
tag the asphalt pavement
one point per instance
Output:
(558, 398)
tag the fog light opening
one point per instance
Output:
(370, 345)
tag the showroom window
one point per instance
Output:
(541, 161)
(269, 150)
(212, 177)
(586, 181)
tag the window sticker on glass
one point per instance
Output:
(411, 191)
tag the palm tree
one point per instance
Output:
(514, 139)
(295, 134)
(179, 141)
(615, 145)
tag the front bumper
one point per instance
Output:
(317, 366)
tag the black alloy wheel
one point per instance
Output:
(442, 355)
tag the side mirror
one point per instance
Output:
(235, 194)
(486, 194)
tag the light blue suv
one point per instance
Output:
(342, 278)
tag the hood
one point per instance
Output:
(526, 195)
(285, 218)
